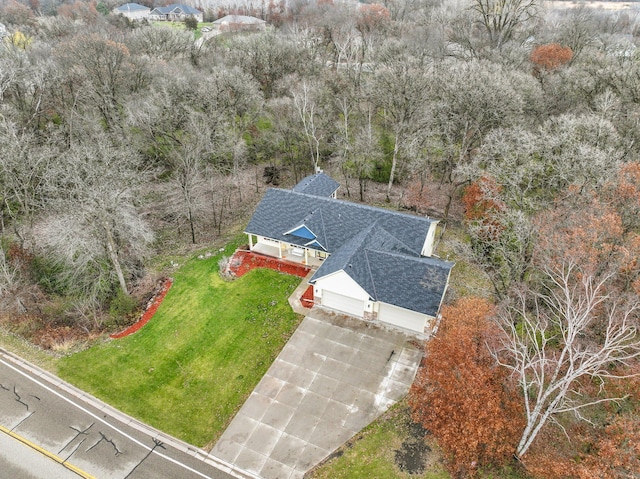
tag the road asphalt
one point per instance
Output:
(49, 429)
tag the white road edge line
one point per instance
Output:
(144, 446)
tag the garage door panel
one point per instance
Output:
(340, 302)
(401, 317)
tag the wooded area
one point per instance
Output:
(125, 142)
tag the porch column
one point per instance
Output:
(306, 256)
(250, 241)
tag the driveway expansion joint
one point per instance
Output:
(335, 376)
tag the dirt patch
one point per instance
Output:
(414, 454)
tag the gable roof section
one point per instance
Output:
(417, 284)
(317, 185)
(132, 7)
(239, 19)
(389, 272)
(177, 8)
(334, 222)
(352, 258)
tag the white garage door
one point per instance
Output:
(402, 317)
(352, 306)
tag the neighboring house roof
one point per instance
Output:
(379, 249)
(131, 7)
(177, 8)
(318, 185)
(239, 19)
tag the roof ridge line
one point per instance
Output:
(373, 283)
(358, 205)
(324, 229)
(405, 245)
(430, 259)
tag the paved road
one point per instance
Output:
(50, 429)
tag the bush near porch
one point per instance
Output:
(192, 366)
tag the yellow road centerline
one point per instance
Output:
(46, 453)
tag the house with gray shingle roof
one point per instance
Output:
(372, 263)
(239, 23)
(175, 12)
(133, 11)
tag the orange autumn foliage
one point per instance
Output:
(598, 230)
(550, 56)
(611, 451)
(479, 199)
(372, 17)
(462, 396)
(615, 452)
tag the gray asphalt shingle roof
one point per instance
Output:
(389, 272)
(379, 249)
(240, 19)
(177, 8)
(417, 284)
(319, 184)
(132, 7)
(334, 220)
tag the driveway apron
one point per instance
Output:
(334, 377)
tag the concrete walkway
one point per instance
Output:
(334, 377)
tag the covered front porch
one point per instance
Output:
(286, 251)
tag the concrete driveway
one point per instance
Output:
(334, 377)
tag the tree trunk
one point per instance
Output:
(191, 226)
(394, 163)
(113, 257)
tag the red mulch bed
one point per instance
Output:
(244, 261)
(307, 297)
(148, 313)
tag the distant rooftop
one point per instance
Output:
(241, 19)
(189, 10)
(131, 7)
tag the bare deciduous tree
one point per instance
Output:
(400, 88)
(307, 106)
(23, 167)
(94, 229)
(501, 18)
(268, 58)
(8, 274)
(571, 331)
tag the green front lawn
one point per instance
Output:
(191, 367)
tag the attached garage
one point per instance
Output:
(340, 302)
(401, 317)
